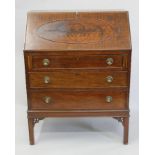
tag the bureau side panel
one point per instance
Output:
(27, 60)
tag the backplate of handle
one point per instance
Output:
(108, 99)
(109, 79)
(47, 100)
(46, 62)
(46, 79)
(109, 61)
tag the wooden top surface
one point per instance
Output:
(61, 31)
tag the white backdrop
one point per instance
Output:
(75, 136)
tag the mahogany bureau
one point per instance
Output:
(77, 64)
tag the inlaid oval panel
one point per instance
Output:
(75, 31)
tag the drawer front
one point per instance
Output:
(78, 79)
(60, 100)
(88, 61)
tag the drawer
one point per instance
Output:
(48, 62)
(61, 100)
(78, 79)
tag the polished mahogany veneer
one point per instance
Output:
(79, 99)
(77, 64)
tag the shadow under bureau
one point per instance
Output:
(77, 64)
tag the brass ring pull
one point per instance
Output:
(109, 61)
(108, 99)
(47, 99)
(109, 79)
(46, 62)
(46, 79)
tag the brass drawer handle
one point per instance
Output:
(47, 99)
(46, 79)
(109, 61)
(109, 79)
(108, 99)
(46, 62)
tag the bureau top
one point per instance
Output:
(63, 31)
